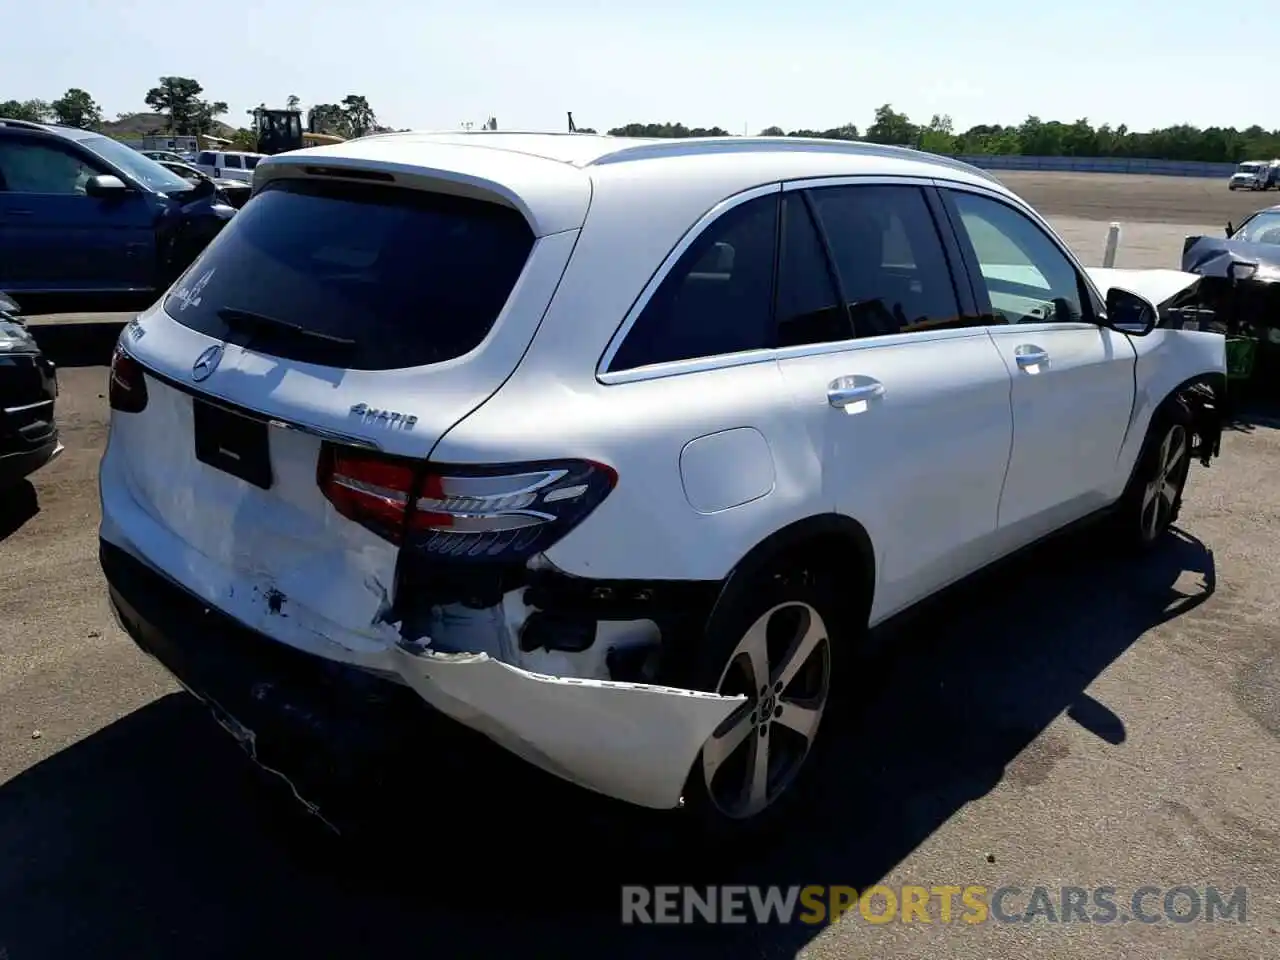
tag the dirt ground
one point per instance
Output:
(1076, 721)
(1107, 197)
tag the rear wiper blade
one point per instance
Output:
(248, 320)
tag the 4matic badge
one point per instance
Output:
(391, 418)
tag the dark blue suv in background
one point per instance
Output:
(81, 213)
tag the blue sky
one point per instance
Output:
(736, 63)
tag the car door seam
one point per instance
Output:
(1013, 424)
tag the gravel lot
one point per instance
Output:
(1076, 721)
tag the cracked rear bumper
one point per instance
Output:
(317, 721)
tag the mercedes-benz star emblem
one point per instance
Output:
(206, 363)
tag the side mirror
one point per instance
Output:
(1130, 313)
(1230, 229)
(105, 186)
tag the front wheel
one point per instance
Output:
(1153, 499)
(782, 652)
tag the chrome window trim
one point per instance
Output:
(723, 361)
(857, 180)
(675, 368)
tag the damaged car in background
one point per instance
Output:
(1239, 288)
(567, 439)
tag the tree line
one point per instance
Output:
(1033, 137)
(187, 111)
(182, 102)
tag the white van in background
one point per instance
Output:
(232, 166)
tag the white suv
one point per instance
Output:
(610, 449)
(233, 165)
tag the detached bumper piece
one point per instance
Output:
(342, 736)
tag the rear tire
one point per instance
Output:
(1153, 498)
(785, 648)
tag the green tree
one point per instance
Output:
(76, 108)
(938, 136)
(243, 139)
(179, 99)
(358, 115)
(36, 111)
(675, 131)
(205, 115)
(892, 127)
(329, 118)
(291, 102)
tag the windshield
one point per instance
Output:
(143, 169)
(1261, 228)
(182, 170)
(1248, 168)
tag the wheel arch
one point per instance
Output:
(1205, 397)
(830, 541)
(1178, 363)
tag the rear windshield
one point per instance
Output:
(402, 277)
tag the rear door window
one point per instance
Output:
(808, 308)
(718, 297)
(231, 161)
(891, 262)
(368, 277)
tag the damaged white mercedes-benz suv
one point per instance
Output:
(612, 450)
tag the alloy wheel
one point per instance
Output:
(1162, 490)
(782, 665)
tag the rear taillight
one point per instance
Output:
(463, 513)
(128, 386)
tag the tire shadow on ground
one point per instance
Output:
(143, 840)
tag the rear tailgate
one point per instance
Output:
(328, 309)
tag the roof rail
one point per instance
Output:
(694, 145)
(479, 133)
(23, 124)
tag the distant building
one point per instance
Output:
(175, 144)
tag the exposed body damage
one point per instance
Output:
(1178, 356)
(1166, 289)
(632, 741)
(558, 709)
(1241, 274)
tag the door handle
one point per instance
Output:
(844, 392)
(1029, 355)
